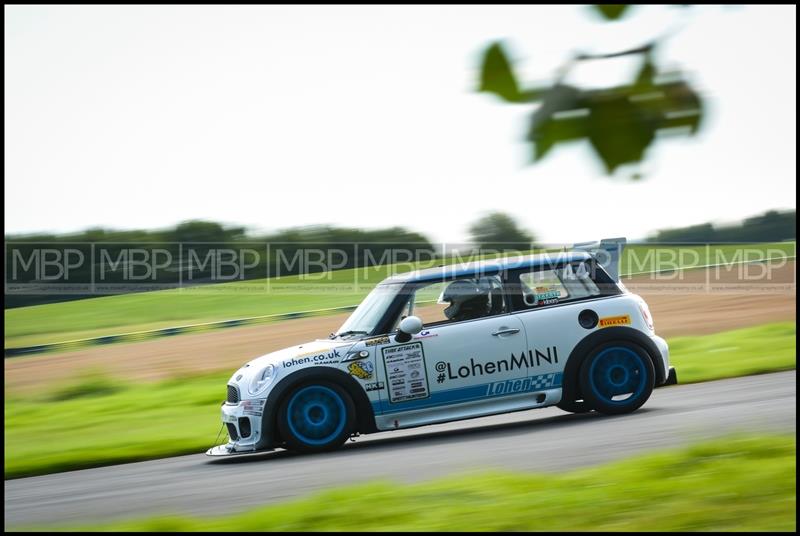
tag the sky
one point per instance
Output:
(271, 117)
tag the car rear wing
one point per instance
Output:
(608, 253)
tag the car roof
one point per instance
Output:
(486, 266)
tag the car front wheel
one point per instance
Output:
(617, 377)
(316, 417)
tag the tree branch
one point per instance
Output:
(638, 50)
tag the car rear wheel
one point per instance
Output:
(617, 377)
(316, 417)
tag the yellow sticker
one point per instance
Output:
(361, 369)
(615, 321)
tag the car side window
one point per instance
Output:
(551, 285)
(541, 288)
(468, 298)
(425, 304)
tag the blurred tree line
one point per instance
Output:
(62, 267)
(772, 226)
(194, 247)
(498, 231)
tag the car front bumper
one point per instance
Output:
(243, 423)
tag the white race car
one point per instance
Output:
(457, 342)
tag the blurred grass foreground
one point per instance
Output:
(735, 483)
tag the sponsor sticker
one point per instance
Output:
(405, 371)
(522, 385)
(619, 320)
(536, 357)
(377, 386)
(361, 369)
(424, 334)
(253, 407)
(545, 296)
(377, 341)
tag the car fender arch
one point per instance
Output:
(365, 417)
(570, 391)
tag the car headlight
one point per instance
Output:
(262, 379)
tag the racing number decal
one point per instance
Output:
(406, 375)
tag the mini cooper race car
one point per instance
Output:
(457, 342)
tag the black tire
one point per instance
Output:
(316, 416)
(617, 369)
(574, 406)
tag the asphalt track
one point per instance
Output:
(537, 440)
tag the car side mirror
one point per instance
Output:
(410, 325)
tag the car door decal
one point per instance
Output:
(515, 386)
(406, 375)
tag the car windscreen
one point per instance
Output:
(371, 311)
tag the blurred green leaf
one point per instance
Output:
(497, 76)
(611, 11)
(646, 74)
(561, 117)
(618, 130)
(683, 107)
(620, 122)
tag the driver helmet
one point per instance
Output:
(467, 299)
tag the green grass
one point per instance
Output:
(742, 352)
(58, 322)
(101, 421)
(730, 484)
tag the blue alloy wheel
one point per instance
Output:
(617, 377)
(617, 373)
(316, 417)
